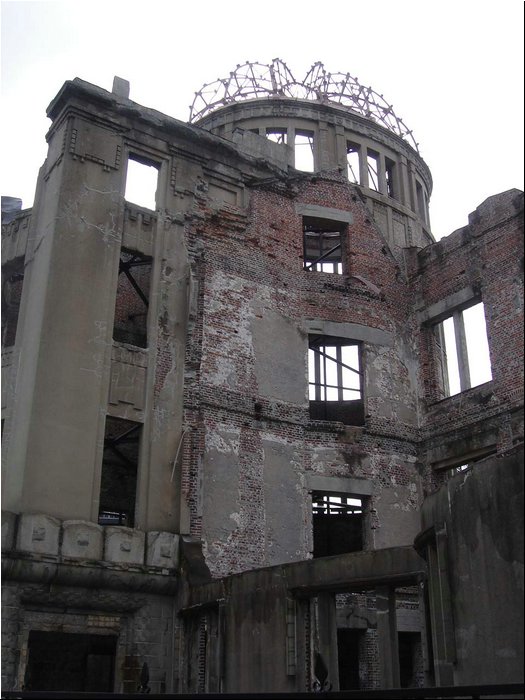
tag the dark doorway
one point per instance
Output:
(409, 655)
(348, 658)
(74, 662)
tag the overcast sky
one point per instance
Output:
(452, 70)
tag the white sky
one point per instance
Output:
(452, 70)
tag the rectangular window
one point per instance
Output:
(141, 182)
(304, 151)
(132, 301)
(372, 162)
(352, 161)
(323, 245)
(334, 378)
(118, 484)
(12, 283)
(277, 135)
(337, 523)
(461, 340)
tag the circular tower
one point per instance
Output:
(329, 123)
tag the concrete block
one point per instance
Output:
(163, 550)
(82, 540)
(124, 545)
(38, 534)
(8, 530)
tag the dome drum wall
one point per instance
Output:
(392, 176)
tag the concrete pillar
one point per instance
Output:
(387, 636)
(363, 165)
(340, 148)
(323, 153)
(403, 180)
(327, 637)
(381, 174)
(441, 620)
(66, 326)
(461, 349)
(412, 188)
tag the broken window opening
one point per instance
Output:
(462, 342)
(322, 245)
(279, 136)
(334, 379)
(118, 484)
(348, 657)
(421, 210)
(141, 182)
(352, 161)
(304, 151)
(337, 523)
(372, 163)
(132, 301)
(12, 284)
(390, 177)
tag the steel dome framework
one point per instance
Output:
(254, 80)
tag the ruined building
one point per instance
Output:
(241, 449)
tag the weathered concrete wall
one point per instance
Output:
(264, 628)
(142, 625)
(482, 513)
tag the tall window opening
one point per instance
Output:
(348, 643)
(277, 135)
(352, 161)
(141, 182)
(410, 659)
(323, 245)
(421, 209)
(12, 283)
(118, 484)
(389, 174)
(304, 150)
(132, 302)
(462, 343)
(337, 523)
(335, 380)
(372, 162)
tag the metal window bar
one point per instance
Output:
(325, 504)
(321, 384)
(311, 266)
(126, 266)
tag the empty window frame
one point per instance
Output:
(304, 151)
(352, 161)
(335, 380)
(337, 521)
(277, 135)
(141, 182)
(372, 164)
(132, 301)
(323, 240)
(421, 201)
(118, 485)
(390, 178)
(464, 360)
(12, 283)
